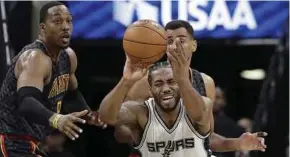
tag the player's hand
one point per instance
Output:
(134, 70)
(93, 118)
(178, 60)
(66, 124)
(255, 141)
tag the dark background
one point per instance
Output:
(100, 65)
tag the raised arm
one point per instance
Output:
(197, 107)
(111, 104)
(140, 90)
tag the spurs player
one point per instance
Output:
(174, 122)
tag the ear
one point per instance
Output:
(150, 90)
(193, 45)
(42, 27)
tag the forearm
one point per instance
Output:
(192, 100)
(30, 106)
(75, 102)
(111, 104)
(219, 143)
(139, 91)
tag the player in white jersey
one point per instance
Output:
(180, 140)
(173, 123)
(204, 84)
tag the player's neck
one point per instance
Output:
(52, 51)
(169, 117)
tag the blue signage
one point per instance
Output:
(210, 19)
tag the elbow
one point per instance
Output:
(106, 117)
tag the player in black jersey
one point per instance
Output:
(40, 80)
(203, 83)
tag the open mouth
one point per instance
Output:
(65, 37)
(168, 97)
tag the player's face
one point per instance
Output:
(164, 89)
(58, 26)
(188, 44)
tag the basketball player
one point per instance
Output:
(204, 84)
(39, 80)
(174, 122)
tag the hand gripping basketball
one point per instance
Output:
(134, 70)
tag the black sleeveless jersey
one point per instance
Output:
(53, 93)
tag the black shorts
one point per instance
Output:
(16, 146)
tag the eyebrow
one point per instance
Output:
(177, 36)
(58, 14)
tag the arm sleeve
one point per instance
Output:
(30, 106)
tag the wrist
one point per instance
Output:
(236, 142)
(127, 82)
(53, 120)
(183, 81)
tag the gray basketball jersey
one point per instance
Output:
(182, 140)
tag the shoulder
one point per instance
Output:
(71, 53)
(209, 86)
(206, 78)
(33, 60)
(34, 57)
(73, 58)
(135, 106)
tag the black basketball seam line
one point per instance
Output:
(150, 29)
(139, 42)
(142, 43)
(143, 58)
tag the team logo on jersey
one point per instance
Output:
(167, 147)
(60, 85)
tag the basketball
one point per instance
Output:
(145, 40)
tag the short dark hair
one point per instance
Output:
(156, 66)
(44, 9)
(175, 24)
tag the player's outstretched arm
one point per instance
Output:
(196, 106)
(74, 101)
(246, 142)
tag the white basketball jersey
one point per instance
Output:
(182, 140)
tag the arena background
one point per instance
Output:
(227, 46)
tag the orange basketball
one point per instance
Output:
(145, 40)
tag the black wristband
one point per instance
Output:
(30, 106)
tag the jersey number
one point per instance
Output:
(58, 106)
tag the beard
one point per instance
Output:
(167, 105)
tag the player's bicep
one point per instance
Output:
(73, 82)
(33, 72)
